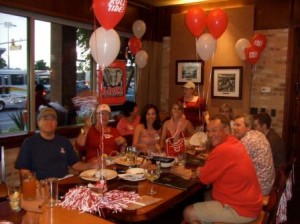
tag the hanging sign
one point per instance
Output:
(112, 83)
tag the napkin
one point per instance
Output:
(182, 172)
(143, 201)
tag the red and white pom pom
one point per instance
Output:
(83, 199)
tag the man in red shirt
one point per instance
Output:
(236, 196)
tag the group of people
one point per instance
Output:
(245, 151)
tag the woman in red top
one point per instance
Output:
(91, 137)
(194, 106)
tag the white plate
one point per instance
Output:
(198, 139)
(166, 165)
(133, 174)
(123, 161)
(135, 171)
(93, 174)
(132, 177)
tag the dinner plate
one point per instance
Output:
(93, 174)
(133, 174)
(132, 177)
(125, 162)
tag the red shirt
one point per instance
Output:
(193, 111)
(231, 172)
(93, 140)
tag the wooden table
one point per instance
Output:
(170, 197)
(55, 215)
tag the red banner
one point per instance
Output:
(112, 83)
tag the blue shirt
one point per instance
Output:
(46, 158)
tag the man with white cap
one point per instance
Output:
(194, 106)
(48, 154)
(99, 138)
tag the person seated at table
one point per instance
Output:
(259, 150)
(235, 196)
(176, 127)
(93, 136)
(262, 123)
(194, 106)
(46, 153)
(129, 121)
(146, 136)
(226, 110)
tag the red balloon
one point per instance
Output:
(195, 21)
(252, 54)
(217, 21)
(134, 44)
(259, 40)
(109, 12)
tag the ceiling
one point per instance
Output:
(162, 3)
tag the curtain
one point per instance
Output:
(148, 78)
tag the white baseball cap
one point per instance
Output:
(103, 107)
(189, 85)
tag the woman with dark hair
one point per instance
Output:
(146, 136)
(130, 120)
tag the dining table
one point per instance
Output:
(146, 209)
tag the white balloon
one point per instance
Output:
(105, 46)
(141, 58)
(240, 46)
(206, 46)
(139, 28)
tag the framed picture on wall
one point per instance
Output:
(189, 70)
(227, 82)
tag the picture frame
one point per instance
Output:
(189, 70)
(227, 82)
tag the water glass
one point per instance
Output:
(52, 184)
(14, 197)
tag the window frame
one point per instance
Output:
(71, 131)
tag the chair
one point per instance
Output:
(275, 197)
(3, 188)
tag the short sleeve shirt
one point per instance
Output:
(46, 158)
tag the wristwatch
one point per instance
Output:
(83, 132)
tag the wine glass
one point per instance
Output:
(152, 175)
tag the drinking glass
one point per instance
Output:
(131, 154)
(14, 197)
(152, 175)
(29, 187)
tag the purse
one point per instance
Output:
(174, 148)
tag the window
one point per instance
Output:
(62, 64)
